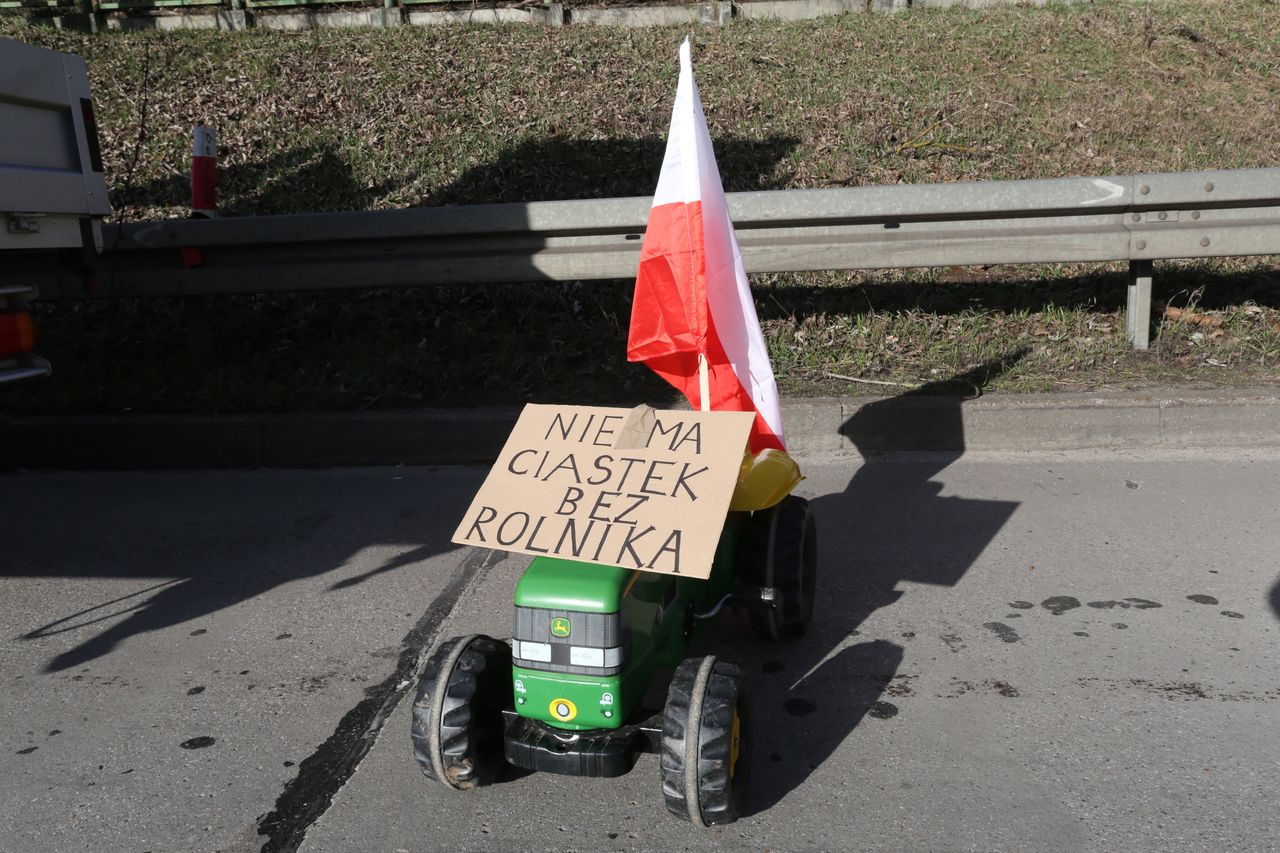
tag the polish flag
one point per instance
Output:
(693, 321)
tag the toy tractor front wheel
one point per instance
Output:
(457, 716)
(782, 553)
(705, 742)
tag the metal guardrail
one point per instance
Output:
(1138, 218)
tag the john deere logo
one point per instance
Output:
(560, 627)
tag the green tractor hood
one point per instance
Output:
(554, 584)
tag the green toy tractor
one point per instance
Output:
(590, 642)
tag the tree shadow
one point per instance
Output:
(306, 179)
(406, 559)
(315, 179)
(433, 344)
(1015, 290)
(583, 351)
(562, 168)
(201, 544)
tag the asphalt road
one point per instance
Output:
(1049, 652)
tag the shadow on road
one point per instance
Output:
(201, 544)
(1275, 599)
(890, 525)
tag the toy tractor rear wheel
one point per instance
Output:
(782, 552)
(457, 716)
(705, 742)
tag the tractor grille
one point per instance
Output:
(580, 644)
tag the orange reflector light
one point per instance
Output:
(17, 333)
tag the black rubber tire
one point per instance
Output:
(782, 552)
(701, 781)
(457, 726)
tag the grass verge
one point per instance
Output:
(356, 119)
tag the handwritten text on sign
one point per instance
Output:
(637, 488)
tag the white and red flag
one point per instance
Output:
(693, 320)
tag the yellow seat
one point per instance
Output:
(764, 479)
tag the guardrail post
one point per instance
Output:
(93, 20)
(548, 14)
(235, 18)
(1138, 313)
(393, 14)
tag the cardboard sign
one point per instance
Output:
(636, 488)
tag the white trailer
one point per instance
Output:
(53, 194)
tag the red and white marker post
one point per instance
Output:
(204, 184)
(204, 172)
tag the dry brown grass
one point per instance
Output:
(358, 119)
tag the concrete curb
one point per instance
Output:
(1037, 422)
(1028, 422)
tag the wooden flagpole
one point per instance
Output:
(704, 382)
